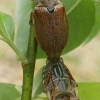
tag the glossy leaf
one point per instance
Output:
(23, 10)
(42, 96)
(18, 88)
(6, 27)
(70, 4)
(8, 92)
(37, 83)
(89, 90)
(96, 27)
(81, 22)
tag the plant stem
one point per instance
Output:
(13, 46)
(28, 69)
(21, 56)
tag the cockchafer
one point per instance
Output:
(51, 31)
(58, 81)
(51, 26)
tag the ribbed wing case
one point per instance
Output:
(51, 29)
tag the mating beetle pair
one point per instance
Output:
(51, 31)
(58, 81)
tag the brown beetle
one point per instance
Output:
(51, 31)
(58, 81)
(51, 27)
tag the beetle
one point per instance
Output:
(58, 81)
(51, 31)
(51, 26)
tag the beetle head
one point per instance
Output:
(49, 4)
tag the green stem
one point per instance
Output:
(3, 39)
(28, 69)
(27, 83)
(21, 56)
(13, 46)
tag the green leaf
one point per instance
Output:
(89, 91)
(81, 21)
(42, 96)
(70, 4)
(8, 92)
(96, 27)
(18, 88)
(7, 29)
(37, 83)
(7, 33)
(23, 10)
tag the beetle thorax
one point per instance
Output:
(46, 3)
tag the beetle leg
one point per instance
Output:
(61, 59)
(67, 70)
(48, 79)
(31, 18)
(53, 94)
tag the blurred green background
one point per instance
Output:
(83, 62)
